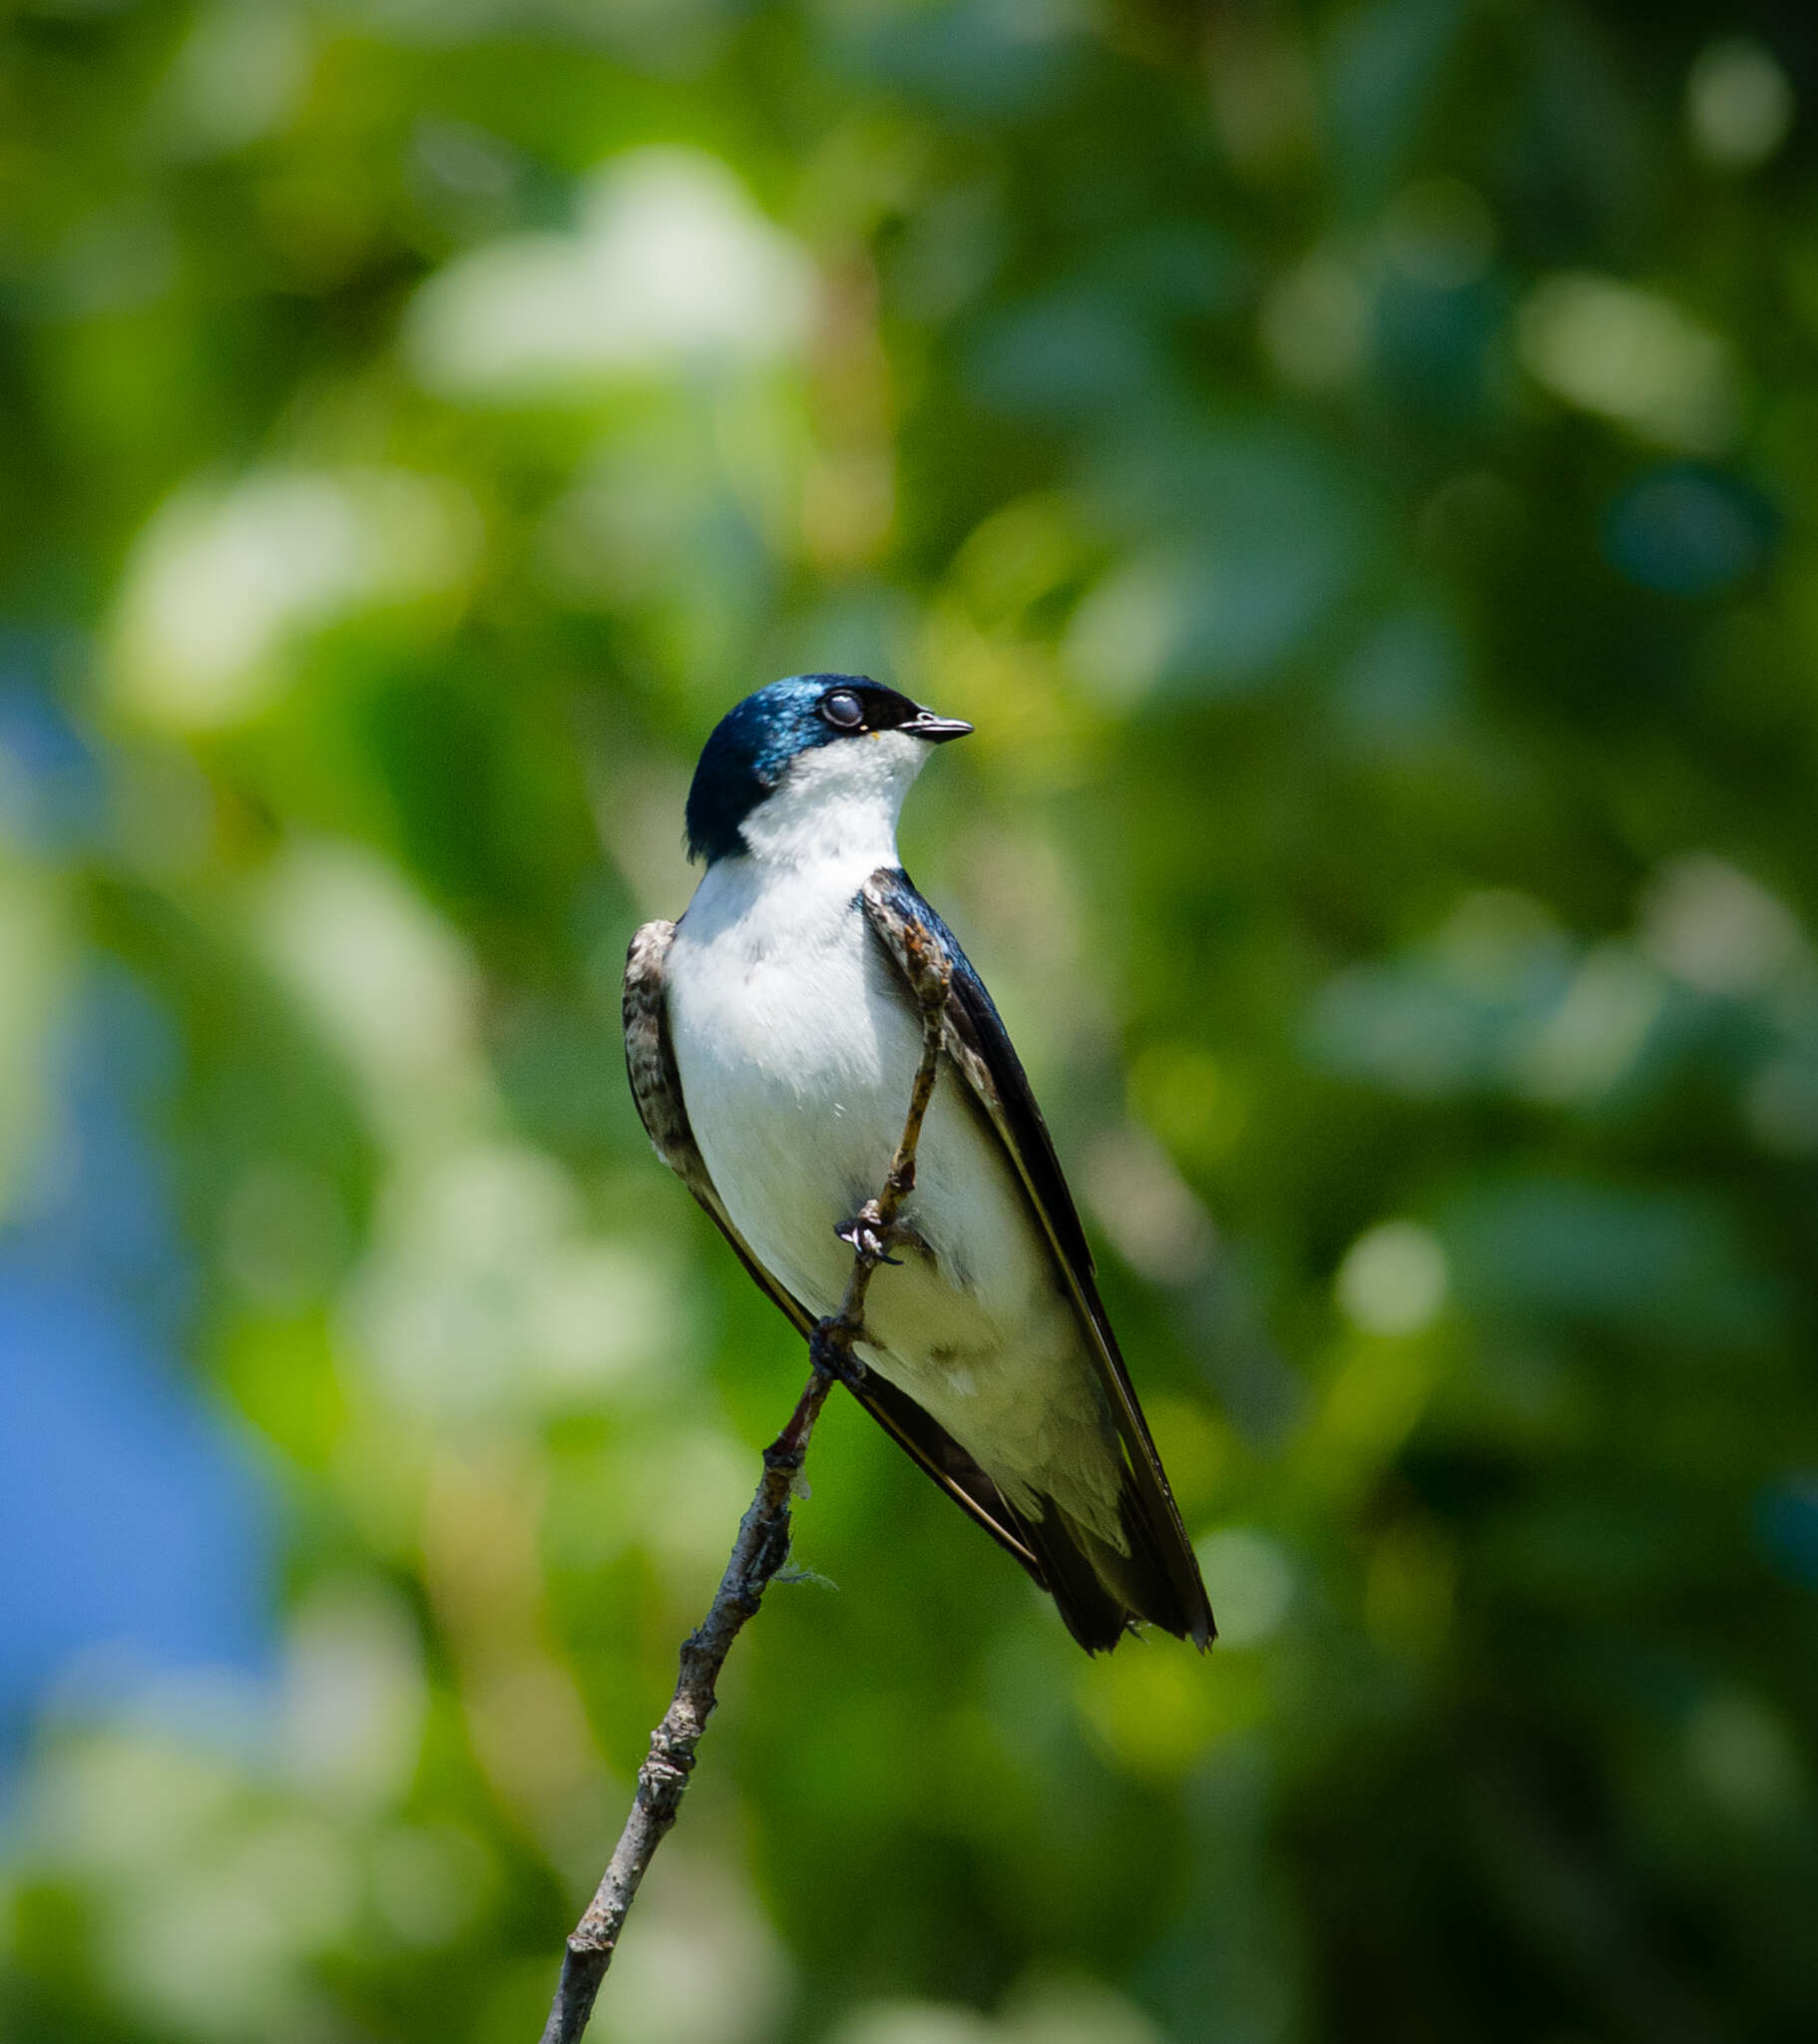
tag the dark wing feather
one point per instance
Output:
(981, 1050)
(649, 1063)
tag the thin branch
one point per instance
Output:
(760, 1551)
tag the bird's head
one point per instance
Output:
(808, 764)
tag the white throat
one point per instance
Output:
(834, 814)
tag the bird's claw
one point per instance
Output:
(867, 1236)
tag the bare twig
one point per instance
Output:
(760, 1551)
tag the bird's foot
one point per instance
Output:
(830, 1351)
(867, 1236)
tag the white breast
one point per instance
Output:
(793, 1060)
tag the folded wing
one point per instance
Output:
(1163, 1581)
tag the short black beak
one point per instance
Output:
(936, 729)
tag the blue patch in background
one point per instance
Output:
(133, 1526)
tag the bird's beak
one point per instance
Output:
(936, 729)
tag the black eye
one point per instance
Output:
(842, 709)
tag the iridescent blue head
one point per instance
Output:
(821, 722)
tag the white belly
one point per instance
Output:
(797, 1052)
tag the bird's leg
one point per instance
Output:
(873, 1238)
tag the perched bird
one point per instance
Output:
(772, 1040)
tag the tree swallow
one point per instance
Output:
(772, 1039)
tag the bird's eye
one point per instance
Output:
(842, 709)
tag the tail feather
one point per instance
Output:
(1094, 1613)
(1101, 1593)
(1156, 1582)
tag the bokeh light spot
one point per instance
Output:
(1393, 1279)
(1739, 104)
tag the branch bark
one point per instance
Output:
(761, 1548)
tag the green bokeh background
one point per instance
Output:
(1355, 465)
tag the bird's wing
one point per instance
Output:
(649, 1063)
(980, 1048)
